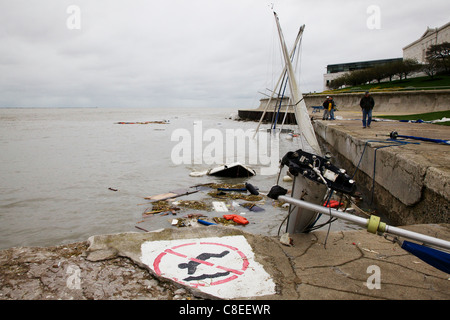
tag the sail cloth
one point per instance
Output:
(435, 258)
(299, 105)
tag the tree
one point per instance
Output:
(430, 68)
(410, 66)
(396, 68)
(378, 73)
(439, 54)
(358, 77)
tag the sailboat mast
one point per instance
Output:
(284, 83)
(282, 75)
(300, 110)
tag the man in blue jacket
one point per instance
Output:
(367, 103)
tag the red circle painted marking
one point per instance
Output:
(171, 251)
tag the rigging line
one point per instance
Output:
(328, 231)
(297, 44)
(280, 96)
(294, 51)
(281, 101)
(285, 82)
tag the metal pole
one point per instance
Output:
(365, 223)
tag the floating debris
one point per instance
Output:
(146, 212)
(220, 206)
(280, 204)
(171, 194)
(161, 206)
(194, 204)
(144, 122)
(206, 223)
(188, 222)
(194, 215)
(235, 195)
(213, 185)
(221, 220)
(252, 207)
(236, 218)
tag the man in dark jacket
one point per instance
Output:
(367, 103)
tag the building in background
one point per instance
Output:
(416, 50)
(336, 70)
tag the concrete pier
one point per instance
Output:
(268, 111)
(407, 181)
(351, 265)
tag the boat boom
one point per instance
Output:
(372, 224)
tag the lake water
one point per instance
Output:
(57, 165)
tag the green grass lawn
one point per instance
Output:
(430, 116)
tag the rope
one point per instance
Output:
(393, 143)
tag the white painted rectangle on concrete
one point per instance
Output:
(224, 267)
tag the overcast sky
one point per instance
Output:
(189, 53)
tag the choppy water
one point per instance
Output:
(57, 165)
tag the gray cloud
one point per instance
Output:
(187, 53)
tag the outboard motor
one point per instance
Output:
(318, 169)
(313, 177)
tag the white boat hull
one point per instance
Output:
(313, 192)
(233, 170)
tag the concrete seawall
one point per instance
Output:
(393, 102)
(397, 101)
(407, 181)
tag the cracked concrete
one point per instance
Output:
(63, 272)
(341, 270)
(318, 266)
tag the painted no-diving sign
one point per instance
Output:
(221, 266)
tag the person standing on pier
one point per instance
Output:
(367, 103)
(329, 107)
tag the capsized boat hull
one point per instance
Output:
(233, 170)
(301, 219)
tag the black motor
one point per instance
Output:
(319, 169)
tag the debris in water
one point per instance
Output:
(194, 204)
(145, 122)
(235, 195)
